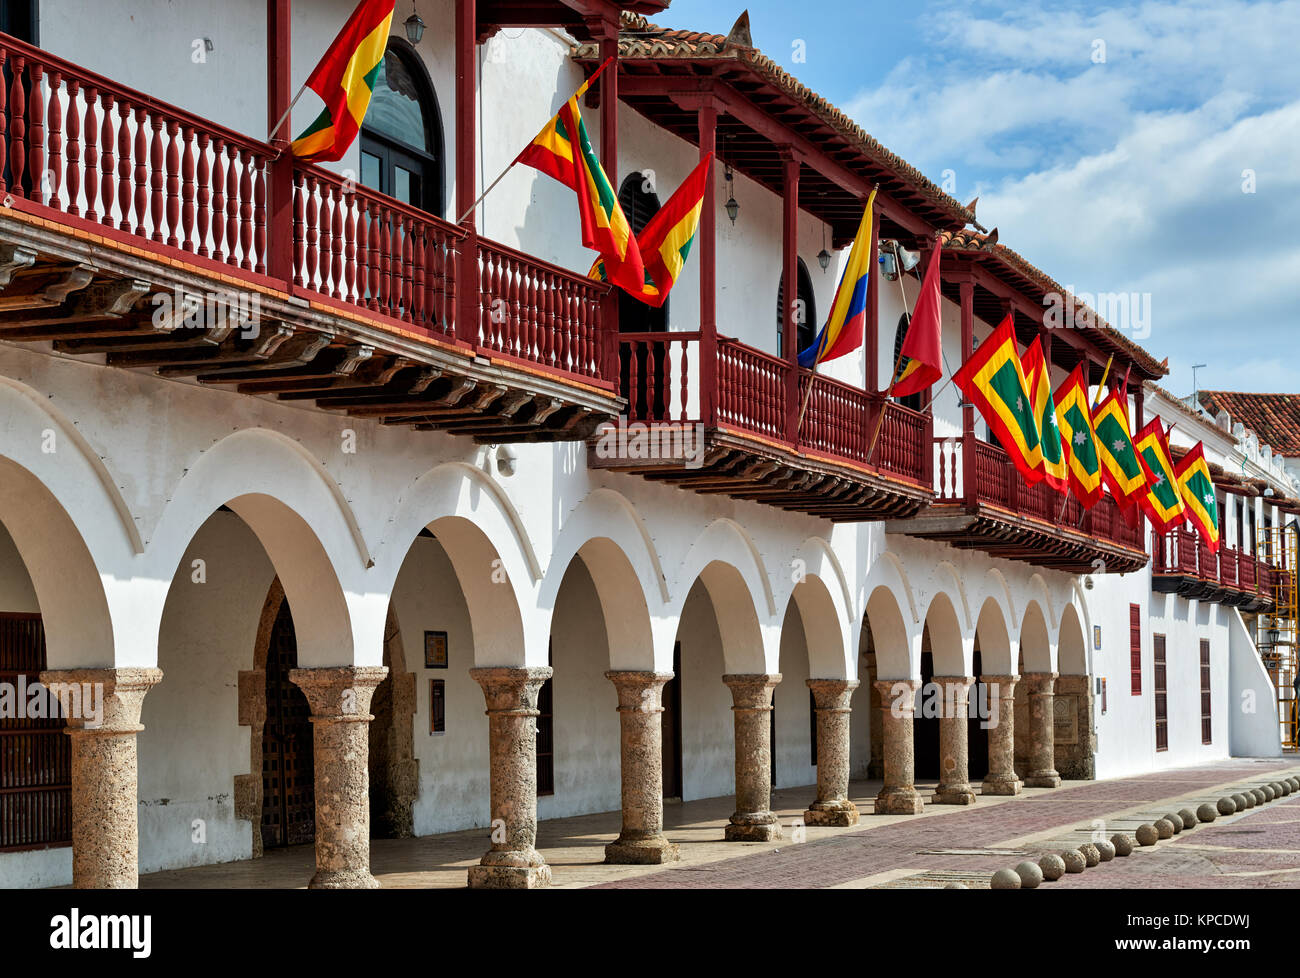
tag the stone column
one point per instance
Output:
(954, 751)
(513, 862)
(754, 820)
(897, 710)
(102, 710)
(1001, 779)
(339, 698)
(640, 713)
(1042, 748)
(1074, 738)
(832, 807)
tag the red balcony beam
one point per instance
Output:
(605, 28)
(279, 93)
(706, 109)
(790, 315)
(967, 291)
(466, 42)
(871, 372)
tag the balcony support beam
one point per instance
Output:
(967, 291)
(606, 30)
(466, 41)
(793, 313)
(279, 93)
(706, 108)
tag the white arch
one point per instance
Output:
(947, 647)
(724, 541)
(606, 513)
(897, 648)
(748, 647)
(1036, 645)
(1072, 646)
(961, 605)
(1048, 610)
(888, 572)
(997, 657)
(1001, 592)
(628, 630)
(823, 628)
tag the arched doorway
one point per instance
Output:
(288, 772)
(806, 325)
(401, 141)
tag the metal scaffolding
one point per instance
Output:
(1277, 638)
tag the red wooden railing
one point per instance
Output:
(1183, 553)
(660, 375)
(103, 156)
(997, 483)
(90, 148)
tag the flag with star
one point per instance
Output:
(1122, 469)
(1074, 413)
(1196, 486)
(1163, 503)
(1038, 377)
(993, 380)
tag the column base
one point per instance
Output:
(899, 801)
(1000, 786)
(654, 851)
(762, 827)
(835, 813)
(1048, 779)
(509, 877)
(954, 794)
(343, 880)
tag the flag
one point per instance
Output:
(345, 79)
(1039, 380)
(666, 240)
(842, 333)
(1163, 503)
(1196, 486)
(922, 354)
(1074, 413)
(563, 150)
(993, 380)
(1122, 469)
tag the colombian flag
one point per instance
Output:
(842, 333)
(1038, 377)
(1196, 486)
(923, 344)
(1163, 503)
(1122, 469)
(666, 240)
(1074, 414)
(344, 79)
(993, 380)
(563, 150)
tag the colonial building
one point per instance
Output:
(310, 472)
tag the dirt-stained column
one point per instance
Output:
(640, 712)
(897, 710)
(954, 751)
(832, 807)
(1042, 744)
(1001, 779)
(513, 862)
(754, 820)
(102, 710)
(339, 698)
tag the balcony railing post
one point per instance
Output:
(968, 459)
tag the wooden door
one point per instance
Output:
(672, 728)
(288, 772)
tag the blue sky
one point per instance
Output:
(1149, 148)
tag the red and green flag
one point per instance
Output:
(993, 380)
(345, 80)
(1163, 503)
(921, 354)
(1038, 377)
(1196, 486)
(665, 242)
(1122, 469)
(1074, 413)
(563, 150)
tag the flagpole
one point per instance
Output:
(581, 91)
(284, 118)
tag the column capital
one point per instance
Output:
(965, 682)
(511, 689)
(639, 692)
(832, 694)
(1039, 682)
(752, 691)
(101, 701)
(339, 694)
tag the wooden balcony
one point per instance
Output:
(134, 231)
(1181, 563)
(742, 404)
(991, 509)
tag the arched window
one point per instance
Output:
(640, 203)
(807, 323)
(912, 401)
(401, 141)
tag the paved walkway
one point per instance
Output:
(1259, 848)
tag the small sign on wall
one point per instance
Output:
(1096, 638)
(435, 650)
(1101, 685)
(437, 706)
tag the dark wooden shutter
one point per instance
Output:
(35, 754)
(546, 736)
(1161, 698)
(1135, 647)
(1207, 727)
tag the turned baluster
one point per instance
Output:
(18, 127)
(204, 210)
